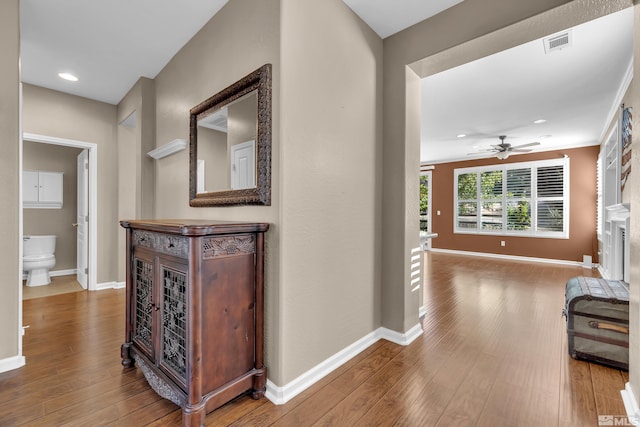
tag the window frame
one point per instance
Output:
(533, 199)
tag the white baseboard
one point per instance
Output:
(63, 272)
(400, 338)
(630, 405)
(11, 363)
(281, 395)
(109, 285)
(601, 271)
(510, 257)
(422, 311)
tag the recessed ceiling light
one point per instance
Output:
(539, 121)
(462, 135)
(68, 76)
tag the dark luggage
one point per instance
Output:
(597, 312)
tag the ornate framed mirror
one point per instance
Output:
(230, 144)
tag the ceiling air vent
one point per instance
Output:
(557, 42)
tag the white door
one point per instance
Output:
(82, 220)
(243, 165)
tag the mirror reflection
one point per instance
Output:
(230, 144)
(227, 146)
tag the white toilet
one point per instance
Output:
(38, 258)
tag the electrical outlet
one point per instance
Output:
(437, 212)
(502, 243)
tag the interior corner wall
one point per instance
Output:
(582, 211)
(405, 290)
(240, 38)
(321, 269)
(10, 184)
(331, 160)
(136, 170)
(147, 113)
(51, 113)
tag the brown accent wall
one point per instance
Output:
(582, 222)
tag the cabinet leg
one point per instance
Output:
(193, 416)
(127, 361)
(259, 384)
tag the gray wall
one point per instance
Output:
(10, 343)
(135, 170)
(322, 249)
(51, 113)
(243, 36)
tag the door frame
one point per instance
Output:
(92, 259)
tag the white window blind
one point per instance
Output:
(529, 198)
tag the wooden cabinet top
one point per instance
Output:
(195, 227)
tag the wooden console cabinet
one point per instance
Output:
(195, 324)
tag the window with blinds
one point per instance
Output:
(529, 199)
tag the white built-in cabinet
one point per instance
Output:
(41, 189)
(613, 216)
(616, 259)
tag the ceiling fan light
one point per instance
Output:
(502, 155)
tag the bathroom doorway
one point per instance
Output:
(83, 267)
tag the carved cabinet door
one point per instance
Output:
(143, 301)
(172, 319)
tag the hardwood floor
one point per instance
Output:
(59, 285)
(493, 353)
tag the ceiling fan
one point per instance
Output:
(504, 149)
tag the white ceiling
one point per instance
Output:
(388, 17)
(573, 89)
(110, 44)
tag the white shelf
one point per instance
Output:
(168, 149)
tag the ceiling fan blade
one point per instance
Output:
(531, 144)
(483, 152)
(520, 150)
